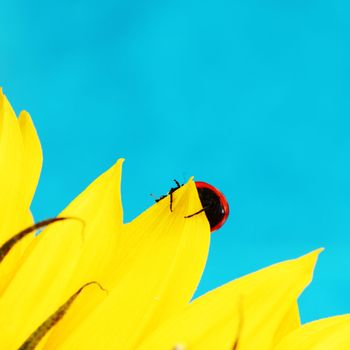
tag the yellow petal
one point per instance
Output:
(32, 157)
(38, 334)
(99, 206)
(11, 262)
(290, 322)
(32, 161)
(207, 323)
(20, 161)
(268, 297)
(61, 257)
(39, 285)
(329, 333)
(158, 273)
(11, 165)
(262, 306)
(8, 259)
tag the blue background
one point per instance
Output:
(251, 96)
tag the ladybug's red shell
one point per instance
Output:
(214, 203)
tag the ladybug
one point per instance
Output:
(214, 203)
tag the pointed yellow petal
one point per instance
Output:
(32, 157)
(18, 147)
(329, 333)
(262, 306)
(99, 206)
(20, 161)
(32, 161)
(61, 257)
(157, 275)
(268, 297)
(11, 165)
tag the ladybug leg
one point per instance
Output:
(171, 200)
(170, 194)
(172, 190)
(196, 213)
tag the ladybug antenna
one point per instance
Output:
(177, 183)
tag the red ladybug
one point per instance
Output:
(214, 204)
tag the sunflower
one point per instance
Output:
(89, 281)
